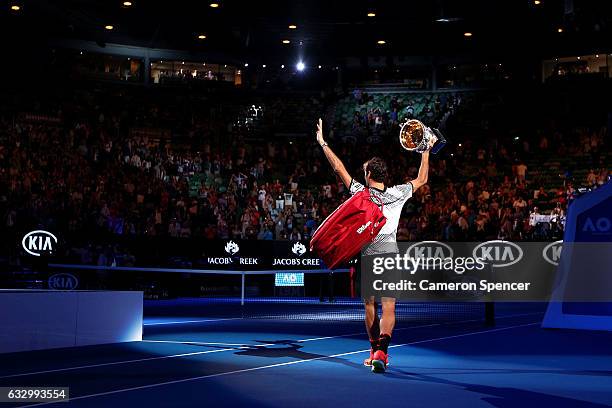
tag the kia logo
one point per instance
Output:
(552, 252)
(498, 253)
(63, 281)
(38, 242)
(430, 250)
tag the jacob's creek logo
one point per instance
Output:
(430, 250)
(363, 227)
(597, 226)
(63, 281)
(39, 242)
(232, 249)
(298, 249)
(498, 253)
(552, 252)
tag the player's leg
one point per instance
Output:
(372, 323)
(380, 359)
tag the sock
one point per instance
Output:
(375, 329)
(374, 344)
(383, 342)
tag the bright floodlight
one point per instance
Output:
(300, 66)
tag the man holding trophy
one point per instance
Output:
(414, 136)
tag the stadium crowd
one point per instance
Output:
(71, 173)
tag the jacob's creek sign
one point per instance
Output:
(232, 249)
(260, 255)
(298, 250)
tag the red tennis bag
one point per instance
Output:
(345, 231)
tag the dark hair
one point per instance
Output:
(377, 169)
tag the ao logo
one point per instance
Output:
(231, 247)
(498, 253)
(601, 224)
(38, 242)
(430, 249)
(63, 281)
(298, 248)
(552, 252)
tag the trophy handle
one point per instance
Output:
(440, 143)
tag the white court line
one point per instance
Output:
(175, 355)
(191, 321)
(246, 370)
(216, 351)
(206, 343)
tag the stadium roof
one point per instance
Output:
(329, 29)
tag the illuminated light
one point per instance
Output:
(320, 67)
(578, 57)
(283, 66)
(596, 55)
(109, 27)
(183, 62)
(286, 41)
(300, 66)
(381, 42)
(238, 72)
(467, 34)
(214, 5)
(292, 26)
(371, 14)
(263, 66)
(15, 7)
(459, 144)
(127, 4)
(537, 2)
(203, 64)
(246, 64)
(224, 65)
(559, 30)
(202, 37)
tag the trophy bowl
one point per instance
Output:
(414, 136)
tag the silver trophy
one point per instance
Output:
(415, 136)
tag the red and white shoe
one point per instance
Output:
(368, 361)
(380, 361)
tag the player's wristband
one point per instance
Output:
(323, 144)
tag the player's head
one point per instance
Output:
(375, 170)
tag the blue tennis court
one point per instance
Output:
(193, 360)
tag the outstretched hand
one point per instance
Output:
(320, 132)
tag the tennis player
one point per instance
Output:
(393, 198)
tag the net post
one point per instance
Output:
(242, 289)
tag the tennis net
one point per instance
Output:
(293, 294)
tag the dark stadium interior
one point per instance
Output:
(149, 137)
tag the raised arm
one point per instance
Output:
(335, 162)
(424, 169)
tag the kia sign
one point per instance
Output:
(430, 249)
(552, 252)
(498, 253)
(39, 242)
(63, 281)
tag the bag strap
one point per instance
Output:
(372, 198)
